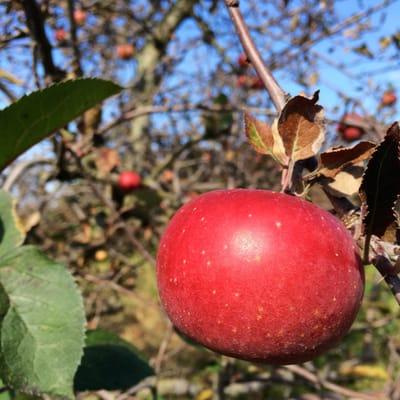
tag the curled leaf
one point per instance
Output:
(347, 182)
(380, 186)
(337, 159)
(302, 128)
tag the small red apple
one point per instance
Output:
(257, 83)
(242, 81)
(352, 133)
(129, 180)
(351, 127)
(80, 16)
(259, 275)
(125, 51)
(242, 61)
(61, 35)
(389, 98)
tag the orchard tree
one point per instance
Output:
(98, 194)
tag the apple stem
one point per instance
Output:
(277, 94)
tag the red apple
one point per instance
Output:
(257, 83)
(242, 61)
(352, 133)
(80, 16)
(61, 35)
(389, 98)
(242, 81)
(259, 275)
(351, 127)
(129, 180)
(125, 51)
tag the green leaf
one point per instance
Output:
(11, 232)
(33, 117)
(42, 326)
(110, 363)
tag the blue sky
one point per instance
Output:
(358, 85)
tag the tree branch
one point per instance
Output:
(277, 94)
(74, 39)
(333, 387)
(35, 22)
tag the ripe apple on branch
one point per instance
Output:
(129, 181)
(351, 127)
(389, 98)
(271, 277)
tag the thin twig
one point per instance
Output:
(159, 109)
(163, 348)
(35, 22)
(74, 39)
(20, 168)
(333, 387)
(275, 91)
(148, 383)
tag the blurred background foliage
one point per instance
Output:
(178, 124)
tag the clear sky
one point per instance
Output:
(356, 79)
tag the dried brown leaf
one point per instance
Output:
(106, 160)
(301, 126)
(380, 186)
(348, 181)
(337, 159)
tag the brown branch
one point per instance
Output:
(74, 39)
(275, 91)
(159, 109)
(20, 168)
(35, 23)
(333, 387)
(336, 29)
(163, 347)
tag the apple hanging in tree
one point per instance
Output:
(60, 35)
(351, 127)
(242, 61)
(259, 275)
(389, 98)
(125, 51)
(80, 16)
(129, 180)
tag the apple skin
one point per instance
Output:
(259, 275)
(129, 180)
